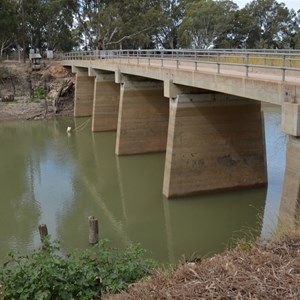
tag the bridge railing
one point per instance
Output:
(272, 60)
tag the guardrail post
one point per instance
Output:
(283, 68)
(177, 64)
(196, 66)
(148, 61)
(161, 62)
(283, 73)
(218, 67)
(283, 61)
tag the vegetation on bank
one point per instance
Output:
(262, 270)
(252, 270)
(46, 274)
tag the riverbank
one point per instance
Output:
(39, 94)
(25, 110)
(264, 270)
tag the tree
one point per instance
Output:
(171, 15)
(47, 24)
(8, 24)
(204, 22)
(269, 24)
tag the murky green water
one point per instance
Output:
(48, 176)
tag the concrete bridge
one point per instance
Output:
(202, 107)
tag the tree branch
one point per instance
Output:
(126, 37)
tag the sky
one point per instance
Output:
(295, 4)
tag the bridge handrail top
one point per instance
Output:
(278, 52)
(283, 61)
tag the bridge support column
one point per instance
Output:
(289, 215)
(143, 117)
(106, 102)
(215, 143)
(84, 92)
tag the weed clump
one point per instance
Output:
(82, 274)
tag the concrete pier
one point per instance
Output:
(84, 92)
(143, 117)
(289, 215)
(215, 143)
(106, 102)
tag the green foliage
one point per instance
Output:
(4, 73)
(84, 274)
(40, 93)
(205, 21)
(8, 24)
(63, 25)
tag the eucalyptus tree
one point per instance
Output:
(170, 18)
(48, 24)
(8, 24)
(116, 23)
(269, 24)
(205, 21)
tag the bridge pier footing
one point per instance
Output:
(143, 117)
(84, 93)
(215, 143)
(106, 103)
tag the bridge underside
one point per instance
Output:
(213, 141)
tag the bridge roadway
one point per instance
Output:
(205, 114)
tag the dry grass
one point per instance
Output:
(265, 270)
(270, 60)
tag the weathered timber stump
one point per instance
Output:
(93, 230)
(43, 234)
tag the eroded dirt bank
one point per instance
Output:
(36, 94)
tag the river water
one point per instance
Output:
(49, 176)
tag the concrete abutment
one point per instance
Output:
(215, 142)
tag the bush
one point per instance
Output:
(40, 93)
(81, 274)
(4, 73)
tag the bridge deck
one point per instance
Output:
(252, 82)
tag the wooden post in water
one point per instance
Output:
(93, 230)
(43, 234)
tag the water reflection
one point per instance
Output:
(276, 150)
(125, 193)
(59, 179)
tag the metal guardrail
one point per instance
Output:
(282, 60)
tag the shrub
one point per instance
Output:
(81, 274)
(4, 73)
(40, 93)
